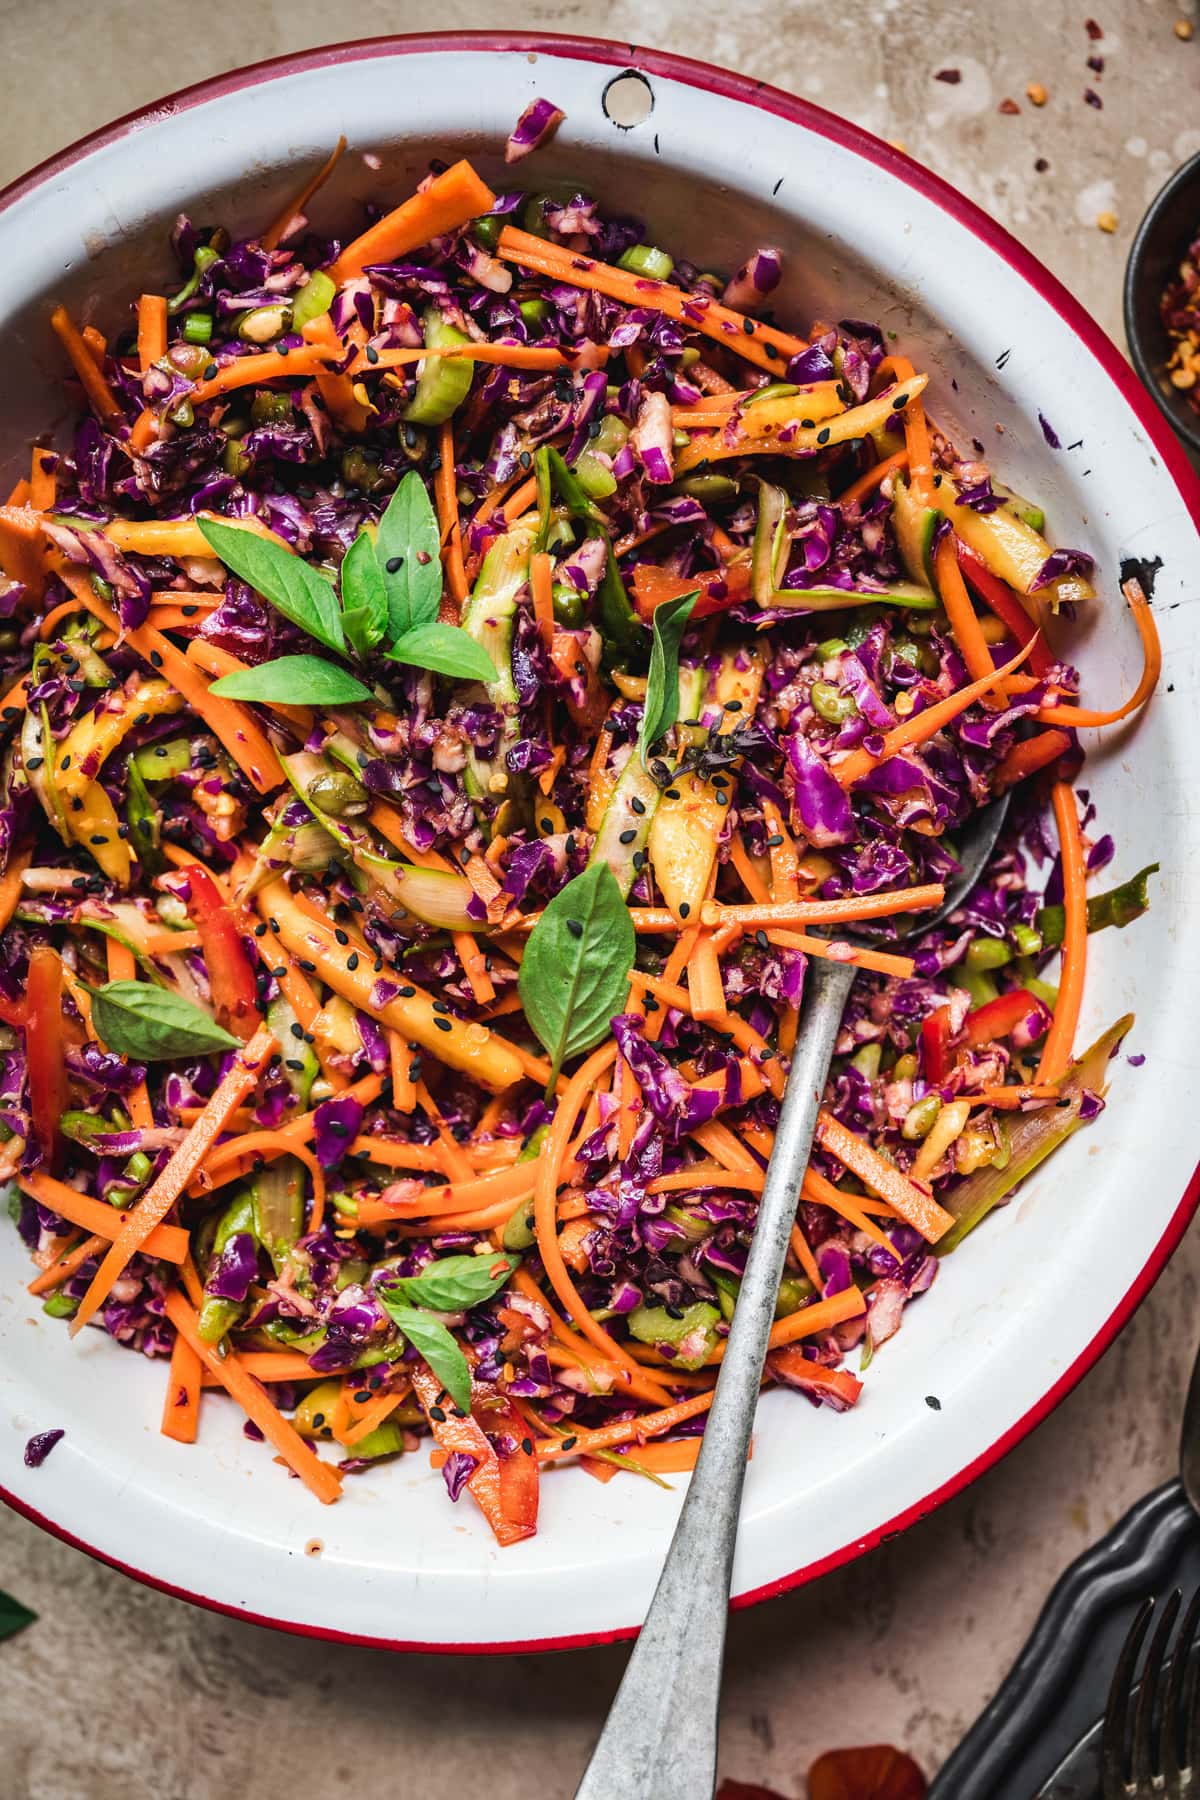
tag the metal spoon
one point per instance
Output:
(660, 1739)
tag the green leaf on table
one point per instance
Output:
(364, 596)
(447, 650)
(294, 681)
(430, 1339)
(457, 1283)
(301, 593)
(408, 552)
(13, 1616)
(575, 971)
(152, 1024)
(661, 706)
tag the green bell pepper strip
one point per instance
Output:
(1119, 907)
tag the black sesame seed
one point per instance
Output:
(406, 993)
(438, 1413)
(685, 907)
(547, 825)
(900, 402)
(66, 762)
(372, 354)
(156, 658)
(211, 372)
(627, 837)
(823, 435)
(569, 1443)
(527, 1446)
(439, 1006)
(394, 564)
(638, 805)
(639, 857)
(310, 968)
(260, 930)
(362, 1396)
(352, 960)
(341, 936)
(443, 1024)
(762, 940)
(297, 1030)
(575, 928)
(672, 793)
(773, 843)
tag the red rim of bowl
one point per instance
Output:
(706, 78)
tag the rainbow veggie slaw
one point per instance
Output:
(455, 680)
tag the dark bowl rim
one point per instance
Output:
(1144, 361)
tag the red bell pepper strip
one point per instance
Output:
(504, 1487)
(1000, 1017)
(720, 589)
(1004, 603)
(45, 1050)
(230, 972)
(935, 1045)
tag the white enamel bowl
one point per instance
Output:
(1029, 1302)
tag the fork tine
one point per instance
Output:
(1179, 1717)
(1144, 1765)
(1112, 1756)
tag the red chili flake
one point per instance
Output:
(1008, 107)
(951, 76)
(742, 1790)
(1096, 64)
(1093, 99)
(1041, 165)
(1094, 31)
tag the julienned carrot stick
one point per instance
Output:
(509, 356)
(750, 339)
(101, 398)
(871, 478)
(66, 1265)
(1028, 756)
(721, 1143)
(626, 1431)
(168, 1242)
(704, 981)
(804, 1256)
(229, 1162)
(260, 366)
(822, 1192)
(336, 390)
(21, 546)
(881, 962)
(450, 200)
(547, 1170)
(10, 883)
(151, 330)
(237, 729)
(702, 1175)
(1009, 1098)
(751, 880)
(43, 479)
(923, 725)
(319, 1477)
(1147, 630)
(249, 1066)
(1056, 1051)
(541, 586)
(818, 1315)
(968, 633)
(278, 229)
(122, 966)
(181, 1402)
(916, 431)
(445, 484)
(271, 1365)
(520, 502)
(731, 1024)
(914, 1205)
(512, 1184)
(824, 912)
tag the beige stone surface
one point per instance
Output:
(122, 1694)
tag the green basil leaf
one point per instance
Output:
(364, 596)
(294, 681)
(151, 1024)
(302, 594)
(13, 1616)
(408, 538)
(575, 970)
(430, 1339)
(457, 1283)
(447, 650)
(661, 707)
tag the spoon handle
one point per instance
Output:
(660, 1740)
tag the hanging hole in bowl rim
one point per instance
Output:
(628, 100)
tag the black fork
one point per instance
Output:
(1157, 1752)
